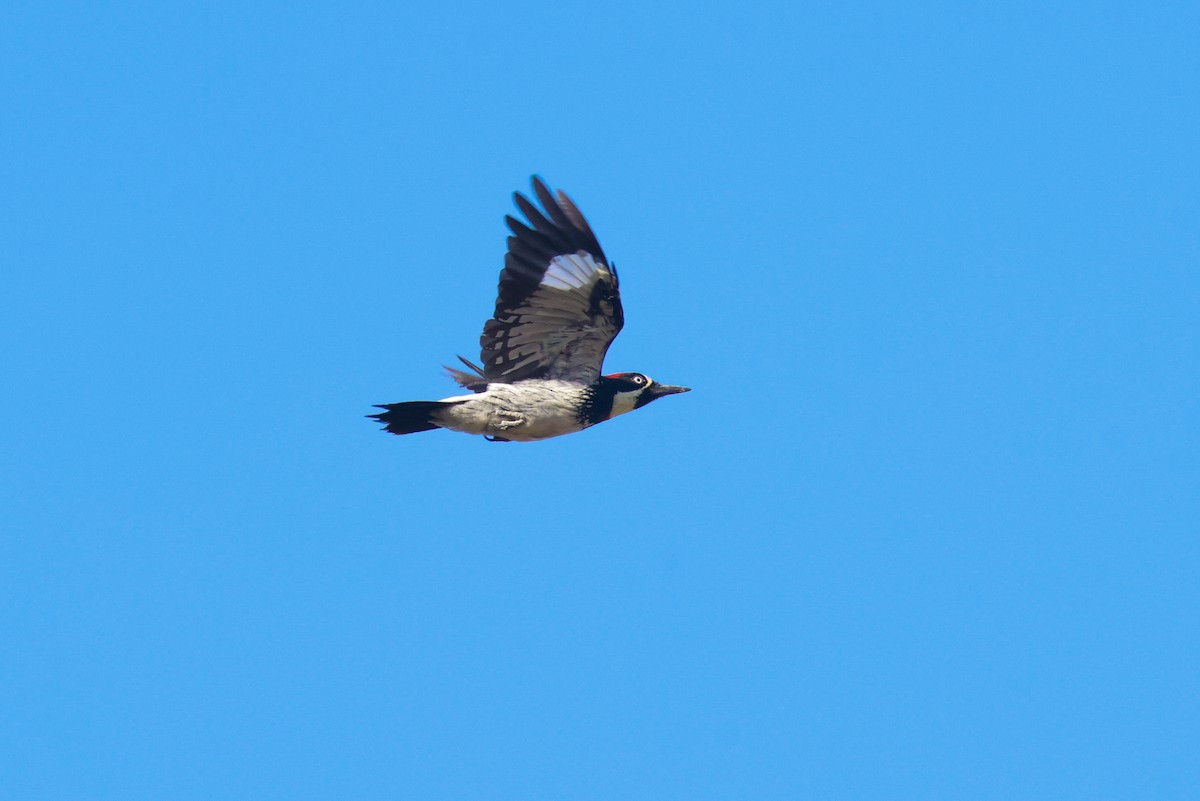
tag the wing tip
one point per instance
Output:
(560, 220)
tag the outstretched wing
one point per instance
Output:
(559, 306)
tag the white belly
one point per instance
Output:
(522, 412)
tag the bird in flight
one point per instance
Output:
(558, 310)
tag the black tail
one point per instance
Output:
(411, 417)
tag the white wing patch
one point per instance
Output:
(558, 307)
(572, 271)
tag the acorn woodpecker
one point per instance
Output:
(558, 310)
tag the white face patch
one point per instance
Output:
(572, 271)
(627, 401)
(624, 402)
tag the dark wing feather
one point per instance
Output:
(559, 304)
(475, 380)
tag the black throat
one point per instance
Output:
(598, 401)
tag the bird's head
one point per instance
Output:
(634, 390)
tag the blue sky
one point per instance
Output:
(926, 528)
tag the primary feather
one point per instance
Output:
(559, 304)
